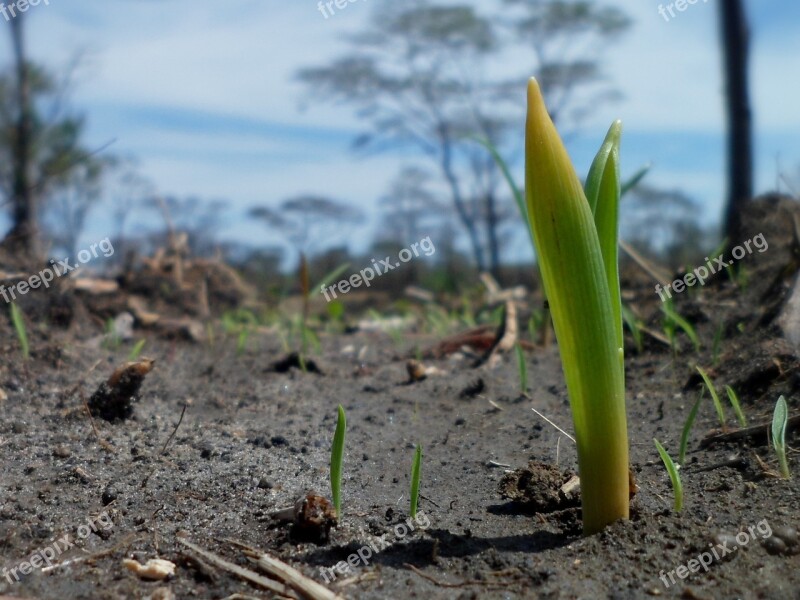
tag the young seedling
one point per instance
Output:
(634, 325)
(674, 476)
(779, 419)
(522, 368)
(576, 244)
(337, 457)
(672, 320)
(715, 397)
(18, 321)
(416, 473)
(737, 408)
(716, 345)
(136, 350)
(687, 428)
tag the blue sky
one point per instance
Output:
(203, 94)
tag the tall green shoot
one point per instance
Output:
(575, 234)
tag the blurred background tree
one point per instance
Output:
(425, 75)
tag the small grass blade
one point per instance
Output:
(779, 420)
(337, 457)
(634, 325)
(635, 179)
(18, 321)
(713, 391)
(416, 473)
(737, 408)
(677, 487)
(671, 314)
(137, 350)
(522, 368)
(687, 428)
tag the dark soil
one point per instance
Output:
(254, 440)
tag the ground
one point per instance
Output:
(254, 440)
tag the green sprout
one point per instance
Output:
(19, 326)
(575, 234)
(716, 345)
(674, 476)
(137, 350)
(522, 368)
(779, 420)
(737, 408)
(416, 473)
(672, 320)
(634, 325)
(714, 396)
(687, 428)
(337, 457)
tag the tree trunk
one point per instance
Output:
(492, 223)
(23, 235)
(458, 200)
(735, 42)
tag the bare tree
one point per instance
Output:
(422, 76)
(306, 220)
(41, 152)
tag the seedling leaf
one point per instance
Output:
(337, 457)
(737, 408)
(674, 476)
(713, 391)
(416, 473)
(779, 419)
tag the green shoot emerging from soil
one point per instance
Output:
(674, 476)
(337, 457)
(416, 473)
(687, 428)
(737, 408)
(779, 419)
(136, 350)
(576, 244)
(714, 397)
(672, 320)
(522, 368)
(18, 322)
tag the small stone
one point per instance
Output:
(109, 495)
(62, 452)
(774, 545)
(788, 535)
(265, 484)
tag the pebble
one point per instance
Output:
(109, 495)
(62, 452)
(788, 535)
(774, 545)
(265, 484)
